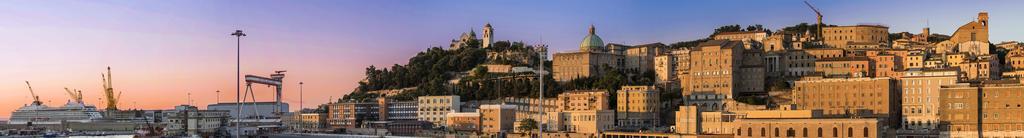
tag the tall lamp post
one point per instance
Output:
(238, 78)
(300, 97)
(542, 51)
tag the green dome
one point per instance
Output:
(591, 42)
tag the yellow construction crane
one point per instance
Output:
(819, 31)
(75, 95)
(108, 91)
(35, 99)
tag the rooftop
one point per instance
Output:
(845, 59)
(741, 32)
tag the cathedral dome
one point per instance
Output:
(591, 42)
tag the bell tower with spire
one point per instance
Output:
(488, 36)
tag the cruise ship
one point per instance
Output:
(37, 113)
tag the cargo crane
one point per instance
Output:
(108, 91)
(274, 80)
(819, 31)
(35, 98)
(75, 95)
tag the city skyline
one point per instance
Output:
(161, 52)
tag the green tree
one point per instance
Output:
(527, 125)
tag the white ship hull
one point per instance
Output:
(42, 114)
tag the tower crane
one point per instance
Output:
(75, 95)
(35, 98)
(108, 90)
(819, 31)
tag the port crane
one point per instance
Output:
(819, 31)
(75, 95)
(274, 80)
(108, 90)
(35, 98)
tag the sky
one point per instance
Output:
(163, 53)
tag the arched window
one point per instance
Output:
(762, 132)
(750, 132)
(820, 132)
(835, 132)
(805, 132)
(776, 132)
(739, 132)
(849, 132)
(790, 132)
(866, 132)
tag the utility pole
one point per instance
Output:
(218, 96)
(238, 78)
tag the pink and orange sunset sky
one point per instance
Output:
(162, 50)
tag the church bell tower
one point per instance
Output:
(488, 36)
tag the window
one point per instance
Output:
(805, 132)
(865, 131)
(820, 132)
(849, 132)
(750, 132)
(835, 132)
(762, 132)
(776, 132)
(790, 132)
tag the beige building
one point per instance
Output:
(590, 121)
(434, 109)
(844, 66)
(920, 98)
(983, 67)
(712, 68)
(810, 127)
(638, 107)
(954, 59)
(665, 68)
(778, 42)
(842, 36)
(756, 36)
(341, 115)
(640, 58)
(589, 61)
(497, 118)
(688, 120)
(718, 123)
(306, 122)
(583, 100)
(885, 65)
(682, 68)
(975, 48)
(803, 123)
(1015, 62)
(914, 61)
(463, 121)
(190, 120)
(751, 39)
(986, 109)
(796, 63)
(845, 96)
(530, 108)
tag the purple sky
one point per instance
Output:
(162, 50)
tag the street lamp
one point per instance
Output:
(238, 78)
(300, 97)
(542, 52)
